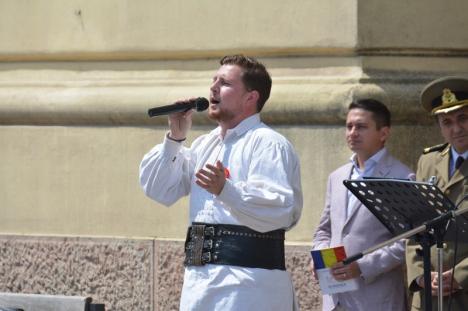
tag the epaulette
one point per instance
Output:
(435, 148)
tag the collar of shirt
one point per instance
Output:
(369, 164)
(241, 128)
(357, 173)
(453, 158)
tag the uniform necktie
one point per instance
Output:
(459, 162)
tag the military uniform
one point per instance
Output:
(444, 95)
(436, 163)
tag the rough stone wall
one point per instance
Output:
(116, 272)
(169, 275)
(125, 274)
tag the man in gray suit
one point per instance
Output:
(345, 221)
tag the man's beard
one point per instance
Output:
(214, 115)
(219, 115)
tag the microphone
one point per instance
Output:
(199, 104)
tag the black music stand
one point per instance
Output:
(401, 206)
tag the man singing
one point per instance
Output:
(244, 184)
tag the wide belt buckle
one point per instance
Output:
(194, 255)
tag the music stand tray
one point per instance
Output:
(401, 205)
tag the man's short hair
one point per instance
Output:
(380, 112)
(255, 76)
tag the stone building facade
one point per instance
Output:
(76, 80)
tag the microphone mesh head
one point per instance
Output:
(201, 103)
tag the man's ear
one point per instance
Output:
(384, 133)
(252, 99)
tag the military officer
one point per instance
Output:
(447, 100)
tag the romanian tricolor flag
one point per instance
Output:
(326, 258)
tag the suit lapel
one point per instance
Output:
(458, 175)
(357, 204)
(343, 195)
(442, 170)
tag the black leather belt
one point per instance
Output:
(234, 245)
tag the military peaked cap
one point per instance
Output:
(445, 95)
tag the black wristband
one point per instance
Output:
(173, 139)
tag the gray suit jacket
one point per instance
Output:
(381, 286)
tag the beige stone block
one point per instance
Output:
(309, 91)
(413, 27)
(120, 29)
(84, 180)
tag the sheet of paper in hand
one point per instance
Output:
(324, 259)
